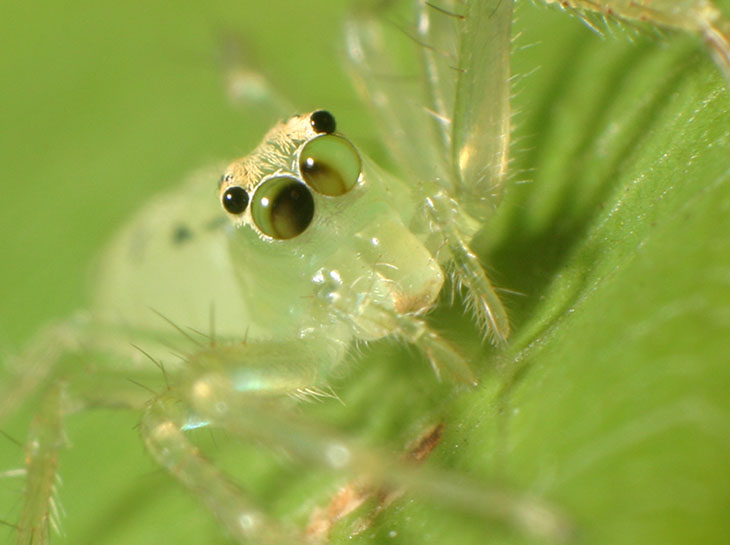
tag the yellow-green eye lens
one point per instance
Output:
(282, 207)
(330, 165)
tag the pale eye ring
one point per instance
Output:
(330, 165)
(235, 200)
(282, 207)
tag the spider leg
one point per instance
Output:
(448, 218)
(224, 392)
(45, 439)
(700, 17)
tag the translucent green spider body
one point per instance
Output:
(219, 306)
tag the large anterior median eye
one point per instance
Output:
(330, 165)
(282, 207)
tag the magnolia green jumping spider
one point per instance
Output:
(352, 253)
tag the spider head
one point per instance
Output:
(309, 210)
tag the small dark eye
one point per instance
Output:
(323, 122)
(235, 200)
(224, 178)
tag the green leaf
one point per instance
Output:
(610, 402)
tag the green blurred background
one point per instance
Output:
(611, 400)
(103, 105)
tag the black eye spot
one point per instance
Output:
(181, 234)
(235, 200)
(323, 122)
